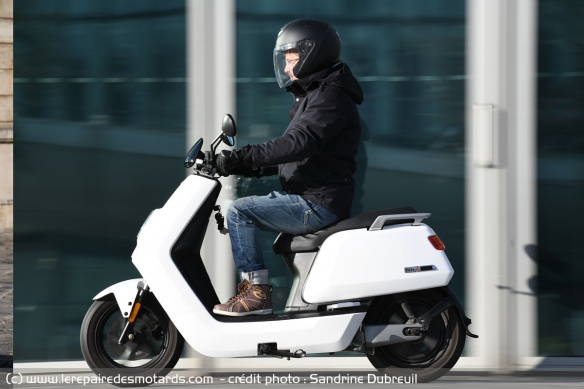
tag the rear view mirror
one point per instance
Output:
(228, 126)
(228, 140)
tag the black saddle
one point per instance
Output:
(288, 243)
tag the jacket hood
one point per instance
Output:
(339, 76)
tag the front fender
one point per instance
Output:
(124, 292)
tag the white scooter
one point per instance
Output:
(374, 284)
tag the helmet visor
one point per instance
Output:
(288, 61)
(280, 66)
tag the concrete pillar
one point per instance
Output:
(210, 95)
(501, 180)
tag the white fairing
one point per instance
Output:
(199, 328)
(124, 293)
(360, 263)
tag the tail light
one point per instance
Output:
(436, 242)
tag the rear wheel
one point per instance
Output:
(429, 357)
(153, 351)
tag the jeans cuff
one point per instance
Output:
(256, 276)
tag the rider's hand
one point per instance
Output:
(234, 162)
(222, 162)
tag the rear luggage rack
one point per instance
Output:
(381, 220)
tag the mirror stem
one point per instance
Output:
(214, 145)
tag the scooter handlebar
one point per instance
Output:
(208, 165)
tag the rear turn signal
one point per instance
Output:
(436, 242)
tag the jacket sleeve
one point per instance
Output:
(308, 133)
(268, 171)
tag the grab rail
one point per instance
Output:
(380, 221)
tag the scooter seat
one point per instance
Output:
(288, 243)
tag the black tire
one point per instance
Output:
(152, 354)
(429, 357)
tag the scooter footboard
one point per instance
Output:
(124, 292)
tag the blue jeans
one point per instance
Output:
(279, 212)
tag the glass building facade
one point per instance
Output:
(99, 136)
(560, 185)
(101, 127)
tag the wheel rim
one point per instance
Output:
(145, 350)
(424, 351)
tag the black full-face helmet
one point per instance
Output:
(317, 43)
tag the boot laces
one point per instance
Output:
(242, 289)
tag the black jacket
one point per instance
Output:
(316, 153)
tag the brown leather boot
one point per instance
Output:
(251, 299)
(242, 287)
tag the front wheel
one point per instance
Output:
(154, 351)
(429, 357)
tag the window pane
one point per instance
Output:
(561, 177)
(99, 119)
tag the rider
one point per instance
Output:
(314, 157)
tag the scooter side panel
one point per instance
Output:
(152, 255)
(241, 339)
(360, 263)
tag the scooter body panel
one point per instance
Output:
(241, 339)
(362, 263)
(152, 255)
(207, 335)
(124, 292)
